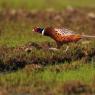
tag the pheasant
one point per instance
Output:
(61, 36)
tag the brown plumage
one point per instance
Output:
(61, 36)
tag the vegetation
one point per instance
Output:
(51, 79)
(27, 66)
(43, 4)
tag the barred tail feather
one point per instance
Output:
(87, 36)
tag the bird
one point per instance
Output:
(61, 35)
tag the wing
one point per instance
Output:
(64, 31)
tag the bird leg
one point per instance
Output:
(54, 49)
(67, 48)
(58, 47)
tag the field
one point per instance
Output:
(27, 66)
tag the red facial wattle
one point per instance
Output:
(37, 29)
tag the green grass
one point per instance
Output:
(47, 78)
(22, 77)
(42, 4)
(19, 33)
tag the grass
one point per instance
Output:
(49, 79)
(46, 78)
(20, 77)
(43, 4)
(19, 34)
(77, 74)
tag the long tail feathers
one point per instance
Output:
(87, 36)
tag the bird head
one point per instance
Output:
(38, 30)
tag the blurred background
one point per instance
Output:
(43, 4)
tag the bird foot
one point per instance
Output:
(54, 49)
(67, 48)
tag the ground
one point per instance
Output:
(28, 67)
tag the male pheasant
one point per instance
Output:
(61, 36)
